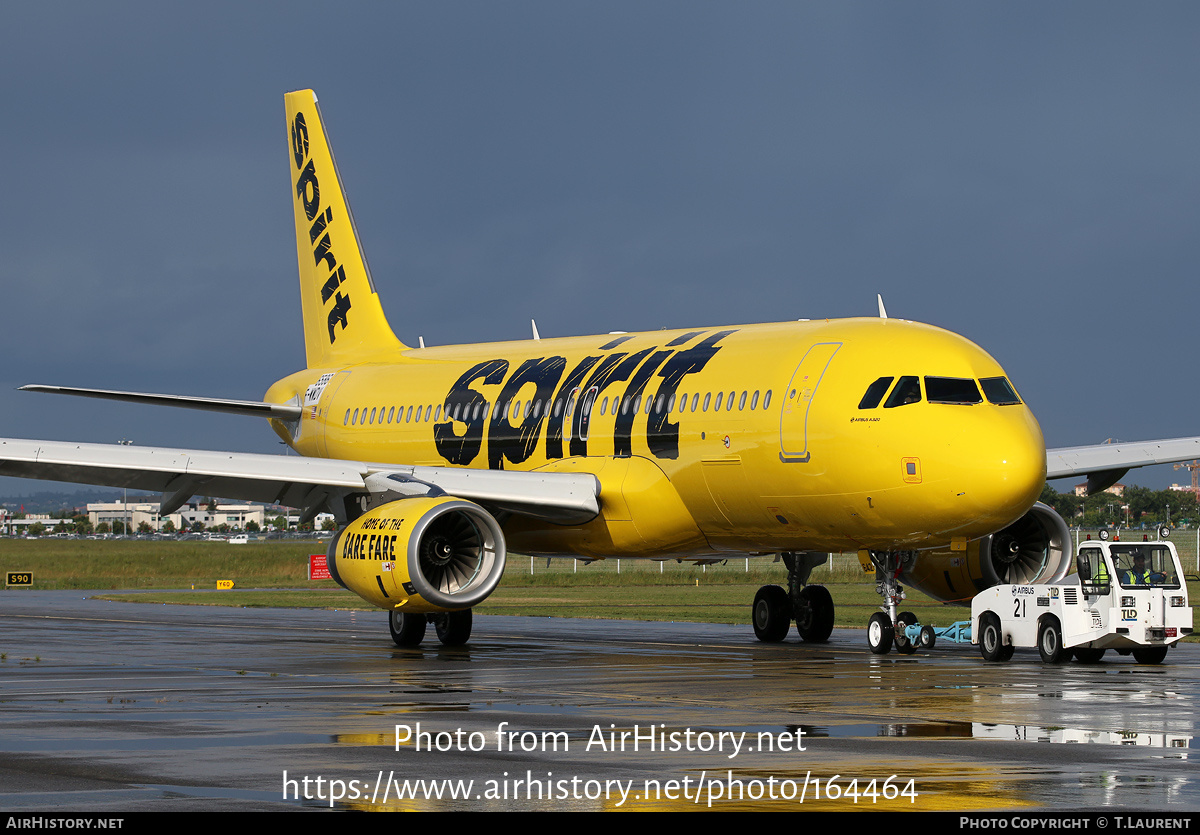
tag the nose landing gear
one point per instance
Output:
(886, 628)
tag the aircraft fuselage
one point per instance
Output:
(745, 438)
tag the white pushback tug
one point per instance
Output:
(1126, 596)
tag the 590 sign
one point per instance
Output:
(18, 578)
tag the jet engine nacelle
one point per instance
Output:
(1035, 548)
(426, 554)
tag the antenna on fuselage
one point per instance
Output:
(535, 333)
(882, 309)
(421, 341)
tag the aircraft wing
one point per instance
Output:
(310, 483)
(1104, 464)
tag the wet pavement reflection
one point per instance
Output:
(117, 706)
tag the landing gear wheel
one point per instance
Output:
(991, 639)
(880, 633)
(1150, 655)
(900, 636)
(1050, 644)
(453, 628)
(1088, 655)
(928, 637)
(408, 629)
(814, 615)
(772, 614)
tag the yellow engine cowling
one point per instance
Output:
(1035, 548)
(420, 555)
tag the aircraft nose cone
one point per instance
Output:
(1010, 469)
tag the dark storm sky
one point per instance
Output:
(1025, 174)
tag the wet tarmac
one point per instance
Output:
(124, 707)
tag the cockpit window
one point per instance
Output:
(961, 391)
(999, 391)
(908, 390)
(875, 393)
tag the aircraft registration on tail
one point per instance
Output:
(901, 441)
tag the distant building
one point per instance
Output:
(135, 514)
(1116, 489)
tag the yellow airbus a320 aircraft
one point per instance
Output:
(901, 441)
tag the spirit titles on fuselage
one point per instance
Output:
(570, 394)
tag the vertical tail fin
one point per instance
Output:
(343, 320)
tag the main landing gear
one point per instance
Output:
(811, 607)
(408, 628)
(887, 628)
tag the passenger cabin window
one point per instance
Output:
(955, 390)
(875, 393)
(908, 390)
(999, 391)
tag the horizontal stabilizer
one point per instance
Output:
(254, 408)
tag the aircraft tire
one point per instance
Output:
(408, 630)
(928, 637)
(814, 618)
(900, 636)
(880, 633)
(1050, 642)
(1150, 655)
(453, 628)
(1088, 655)
(991, 638)
(772, 614)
